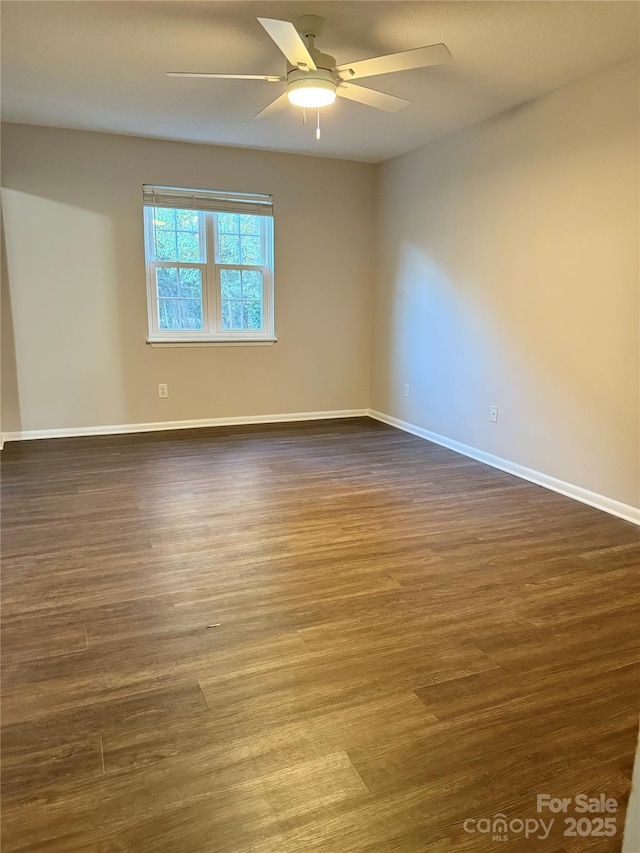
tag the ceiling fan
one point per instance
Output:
(314, 80)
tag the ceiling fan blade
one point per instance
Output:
(290, 42)
(379, 100)
(269, 77)
(274, 107)
(419, 57)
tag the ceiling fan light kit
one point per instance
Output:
(311, 89)
(314, 80)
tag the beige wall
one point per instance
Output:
(75, 318)
(509, 276)
(507, 273)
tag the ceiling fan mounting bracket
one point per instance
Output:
(310, 26)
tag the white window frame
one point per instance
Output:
(210, 268)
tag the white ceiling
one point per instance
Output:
(100, 66)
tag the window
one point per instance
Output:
(209, 259)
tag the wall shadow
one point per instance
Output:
(10, 415)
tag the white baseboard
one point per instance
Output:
(613, 507)
(621, 510)
(118, 429)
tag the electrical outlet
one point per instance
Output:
(163, 390)
(493, 414)
(406, 390)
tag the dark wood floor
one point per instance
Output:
(407, 640)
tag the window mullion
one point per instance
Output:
(186, 264)
(266, 233)
(212, 273)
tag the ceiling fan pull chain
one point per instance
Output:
(318, 127)
(304, 116)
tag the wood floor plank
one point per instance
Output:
(401, 639)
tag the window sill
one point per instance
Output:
(208, 342)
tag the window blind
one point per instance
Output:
(255, 204)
